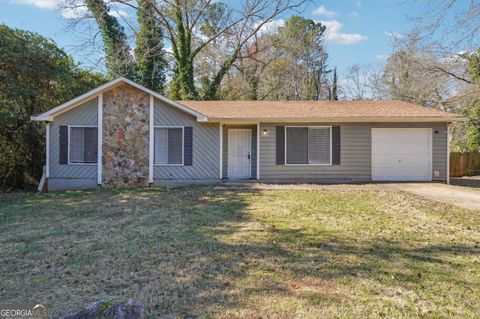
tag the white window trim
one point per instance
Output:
(183, 147)
(308, 126)
(70, 134)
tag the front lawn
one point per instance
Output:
(249, 254)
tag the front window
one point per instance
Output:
(83, 145)
(308, 145)
(168, 146)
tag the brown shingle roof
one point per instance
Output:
(316, 110)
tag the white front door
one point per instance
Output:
(401, 154)
(239, 157)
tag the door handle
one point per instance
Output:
(248, 156)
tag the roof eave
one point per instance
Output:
(336, 119)
(41, 118)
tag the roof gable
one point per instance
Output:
(49, 115)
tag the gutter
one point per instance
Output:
(334, 119)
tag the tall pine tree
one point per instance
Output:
(334, 85)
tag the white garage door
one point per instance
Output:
(401, 154)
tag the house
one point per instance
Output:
(123, 134)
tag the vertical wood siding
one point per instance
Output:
(206, 146)
(85, 114)
(355, 148)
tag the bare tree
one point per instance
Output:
(415, 73)
(355, 82)
(449, 24)
(192, 26)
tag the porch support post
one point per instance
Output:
(448, 156)
(150, 139)
(47, 151)
(220, 164)
(100, 139)
(258, 150)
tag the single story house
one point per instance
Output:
(123, 134)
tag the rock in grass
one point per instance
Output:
(107, 310)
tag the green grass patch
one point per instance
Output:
(327, 253)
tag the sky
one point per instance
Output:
(359, 31)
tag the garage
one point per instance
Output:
(401, 154)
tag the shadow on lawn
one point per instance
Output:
(279, 267)
(193, 251)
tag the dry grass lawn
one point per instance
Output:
(242, 254)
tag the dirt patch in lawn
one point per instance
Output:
(326, 253)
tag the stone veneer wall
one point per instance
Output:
(125, 137)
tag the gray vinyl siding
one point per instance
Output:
(86, 174)
(355, 149)
(253, 152)
(206, 146)
(439, 151)
(63, 184)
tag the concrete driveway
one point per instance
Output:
(457, 195)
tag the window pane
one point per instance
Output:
(76, 145)
(168, 145)
(161, 146)
(297, 145)
(175, 146)
(319, 145)
(91, 144)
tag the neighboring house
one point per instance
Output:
(123, 134)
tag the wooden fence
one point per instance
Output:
(462, 164)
